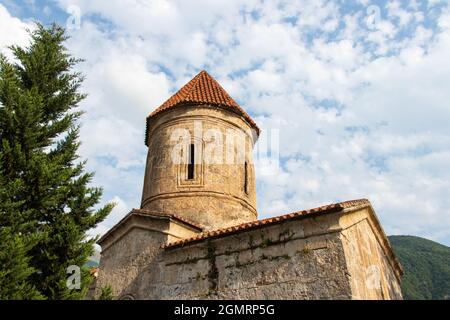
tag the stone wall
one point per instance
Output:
(373, 272)
(217, 196)
(134, 246)
(233, 268)
(293, 260)
(123, 261)
(331, 255)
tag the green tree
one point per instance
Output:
(15, 270)
(39, 133)
(18, 231)
(426, 266)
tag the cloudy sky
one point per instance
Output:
(359, 92)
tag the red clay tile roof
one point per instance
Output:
(169, 215)
(203, 89)
(144, 212)
(336, 207)
(94, 272)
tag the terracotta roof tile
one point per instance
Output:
(336, 207)
(144, 212)
(170, 215)
(94, 272)
(203, 89)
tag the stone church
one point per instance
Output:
(197, 235)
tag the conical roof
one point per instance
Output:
(203, 89)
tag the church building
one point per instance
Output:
(197, 234)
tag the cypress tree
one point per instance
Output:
(39, 131)
(19, 233)
(15, 245)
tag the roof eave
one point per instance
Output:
(144, 213)
(214, 234)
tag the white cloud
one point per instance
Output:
(12, 31)
(119, 211)
(362, 112)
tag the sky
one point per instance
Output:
(358, 92)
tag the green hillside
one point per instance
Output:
(94, 260)
(426, 267)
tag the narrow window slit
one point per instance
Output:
(190, 173)
(246, 177)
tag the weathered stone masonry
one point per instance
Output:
(199, 238)
(309, 256)
(215, 197)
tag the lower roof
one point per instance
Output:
(150, 213)
(218, 233)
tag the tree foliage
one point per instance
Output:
(426, 267)
(49, 203)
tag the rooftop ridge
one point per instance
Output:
(170, 215)
(202, 89)
(335, 207)
(144, 212)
